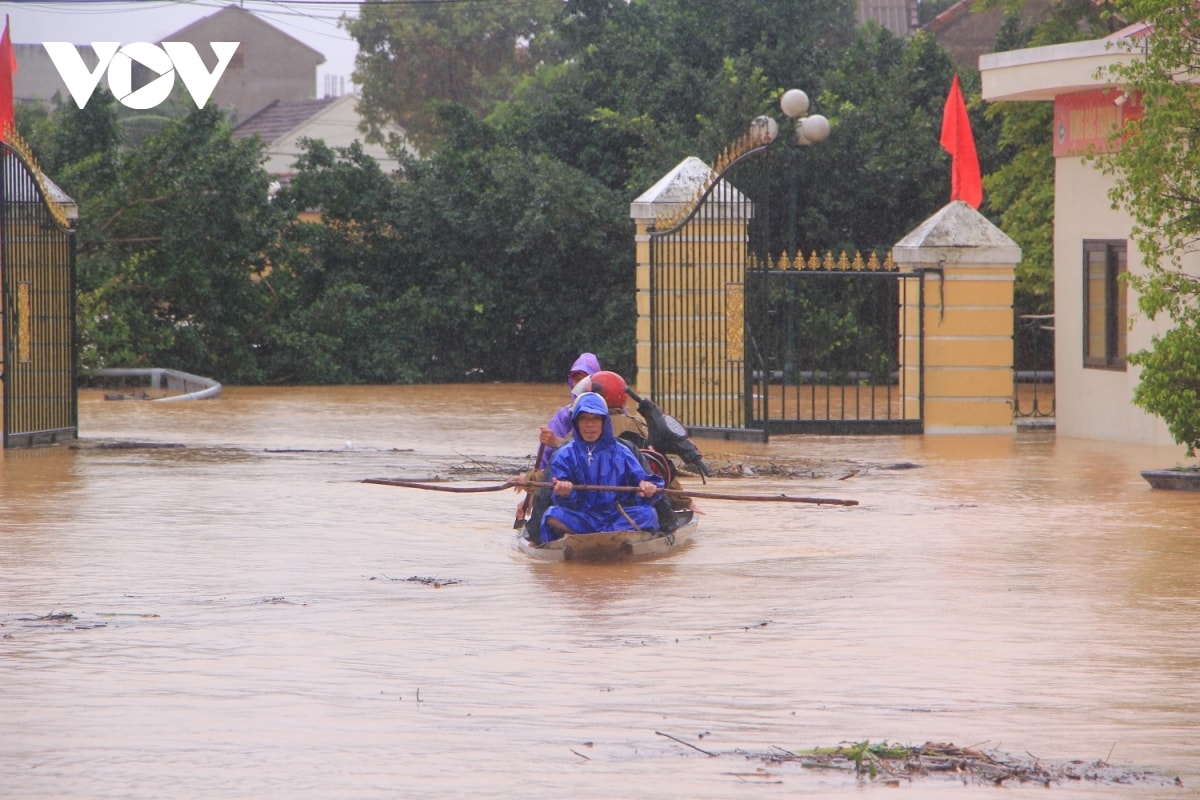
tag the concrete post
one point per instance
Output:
(969, 267)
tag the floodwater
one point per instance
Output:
(248, 620)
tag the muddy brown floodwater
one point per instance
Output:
(237, 616)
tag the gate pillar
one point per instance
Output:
(964, 376)
(690, 314)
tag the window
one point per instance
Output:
(1104, 320)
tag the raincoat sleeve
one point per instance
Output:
(560, 426)
(636, 473)
(560, 423)
(560, 469)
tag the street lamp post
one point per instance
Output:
(809, 130)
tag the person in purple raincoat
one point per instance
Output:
(594, 457)
(556, 431)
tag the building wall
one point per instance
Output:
(269, 64)
(37, 78)
(1090, 402)
(336, 125)
(967, 31)
(898, 16)
(1094, 403)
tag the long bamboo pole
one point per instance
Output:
(518, 483)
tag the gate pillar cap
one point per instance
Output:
(957, 234)
(680, 186)
(55, 194)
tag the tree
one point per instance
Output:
(518, 260)
(1157, 180)
(882, 171)
(468, 53)
(1020, 186)
(510, 238)
(650, 82)
(172, 247)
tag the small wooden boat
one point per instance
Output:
(614, 545)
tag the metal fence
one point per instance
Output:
(827, 341)
(749, 338)
(1033, 359)
(37, 287)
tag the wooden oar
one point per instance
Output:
(518, 483)
(526, 504)
(434, 487)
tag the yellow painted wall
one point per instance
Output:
(968, 348)
(946, 414)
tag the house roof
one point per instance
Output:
(334, 120)
(967, 30)
(280, 118)
(241, 18)
(948, 16)
(1043, 73)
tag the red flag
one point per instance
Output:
(8, 68)
(965, 182)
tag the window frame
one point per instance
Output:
(1115, 307)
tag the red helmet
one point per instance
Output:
(611, 387)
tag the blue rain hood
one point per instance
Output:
(592, 403)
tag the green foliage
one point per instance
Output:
(1020, 185)
(521, 262)
(1169, 384)
(171, 236)
(882, 171)
(507, 250)
(466, 53)
(865, 755)
(1022, 190)
(1157, 179)
(927, 10)
(633, 88)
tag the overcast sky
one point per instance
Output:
(85, 21)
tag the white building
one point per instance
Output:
(1096, 319)
(334, 120)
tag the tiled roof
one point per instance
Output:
(948, 16)
(278, 118)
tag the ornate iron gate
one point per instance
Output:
(829, 339)
(747, 338)
(37, 287)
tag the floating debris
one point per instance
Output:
(124, 445)
(436, 583)
(57, 616)
(894, 763)
(57, 620)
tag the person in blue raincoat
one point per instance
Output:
(550, 437)
(594, 457)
